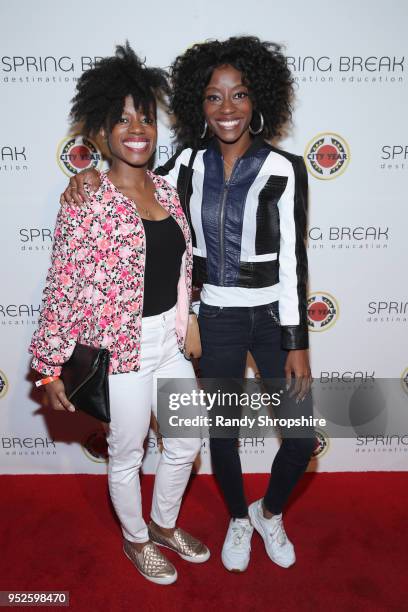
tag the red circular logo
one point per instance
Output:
(327, 155)
(318, 311)
(322, 445)
(77, 153)
(322, 311)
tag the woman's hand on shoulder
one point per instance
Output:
(75, 193)
(55, 392)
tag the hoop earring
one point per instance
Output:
(261, 125)
(203, 133)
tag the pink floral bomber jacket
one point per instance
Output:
(94, 288)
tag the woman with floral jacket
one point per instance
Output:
(246, 202)
(121, 279)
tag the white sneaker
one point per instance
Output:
(278, 547)
(236, 550)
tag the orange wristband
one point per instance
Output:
(45, 381)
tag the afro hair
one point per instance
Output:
(101, 91)
(265, 73)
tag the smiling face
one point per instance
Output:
(133, 138)
(227, 106)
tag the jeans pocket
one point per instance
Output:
(209, 312)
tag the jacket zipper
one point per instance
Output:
(222, 220)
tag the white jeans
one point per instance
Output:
(132, 397)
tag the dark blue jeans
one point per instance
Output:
(227, 334)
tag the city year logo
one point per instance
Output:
(77, 153)
(322, 311)
(322, 445)
(96, 448)
(327, 155)
(3, 384)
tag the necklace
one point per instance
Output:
(229, 166)
(145, 210)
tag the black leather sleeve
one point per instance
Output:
(297, 336)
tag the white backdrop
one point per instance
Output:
(349, 123)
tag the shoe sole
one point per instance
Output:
(258, 529)
(161, 581)
(185, 557)
(234, 570)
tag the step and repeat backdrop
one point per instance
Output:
(350, 125)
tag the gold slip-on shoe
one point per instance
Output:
(151, 563)
(189, 548)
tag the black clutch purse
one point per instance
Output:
(85, 378)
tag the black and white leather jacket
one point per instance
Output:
(249, 232)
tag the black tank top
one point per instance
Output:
(165, 245)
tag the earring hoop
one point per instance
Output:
(203, 133)
(261, 125)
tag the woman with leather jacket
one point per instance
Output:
(246, 202)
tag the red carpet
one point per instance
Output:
(350, 533)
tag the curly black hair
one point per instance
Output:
(101, 91)
(264, 71)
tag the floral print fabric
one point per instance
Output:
(94, 287)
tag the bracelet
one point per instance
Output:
(191, 307)
(46, 381)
